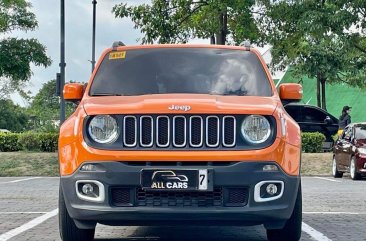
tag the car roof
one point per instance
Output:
(358, 124)
(301, 104)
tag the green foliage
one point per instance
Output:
(180, 20)
(312, 142)
(33, 141)
(9, 142)
(17, 55)
(310, 35)
(14, 14)
(48, 142)
(45, 109)
(12, 117)
(29, 141)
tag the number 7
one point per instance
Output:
(202, 178)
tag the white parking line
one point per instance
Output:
(318, 236)
(21, 180)
(23, 212)
(31, 224)
(327, 179)
(336, 213)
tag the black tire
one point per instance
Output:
(68, 229)
(335, 172)
(353, 171)
(292, 229)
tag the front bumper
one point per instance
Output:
(361, 164)
(273, 214)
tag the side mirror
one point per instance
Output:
(73, 92)
(290, 92)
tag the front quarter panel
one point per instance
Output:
(291, 136)
(70, 135)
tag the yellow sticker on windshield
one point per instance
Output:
(117, 55)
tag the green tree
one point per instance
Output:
(180, 20)
(310, 36)
(44, 109)
(12, 117)
(355, 12)
(16, 55)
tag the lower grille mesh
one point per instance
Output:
(219, 197)
(236, 197)
(179, 199)
(121, 197)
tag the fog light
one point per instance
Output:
(364, 165)
(90, 190)
(270, 168)
(87, 189)
(271, 189)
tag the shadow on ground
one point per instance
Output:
(255, 233)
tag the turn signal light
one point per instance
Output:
(270, 168)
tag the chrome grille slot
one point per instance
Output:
(195, 131)
(130, 131)
(146, 131)
(212, 131)
(228, 131)
(179, 131)
(162, 131)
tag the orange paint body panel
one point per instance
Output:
(73, 91)
(286, 149)
(291, 91)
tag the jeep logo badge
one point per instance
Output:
(180, 107)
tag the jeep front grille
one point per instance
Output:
(179, 131)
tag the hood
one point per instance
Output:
(179, 103)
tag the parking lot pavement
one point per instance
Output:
(334, 209)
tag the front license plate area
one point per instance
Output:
(174, 180)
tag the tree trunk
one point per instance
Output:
(212, 40)
(324, 103)
(318, 97)
(221, 34)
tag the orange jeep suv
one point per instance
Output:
(180, 135)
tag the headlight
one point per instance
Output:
(103, 129)
(256, 129)
(362, 151)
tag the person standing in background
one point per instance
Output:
(344, 119)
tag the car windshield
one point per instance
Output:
(181, 70)
(361, 132)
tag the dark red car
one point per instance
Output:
(349, 152)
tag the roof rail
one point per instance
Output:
(246, 44)
(117, 44)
